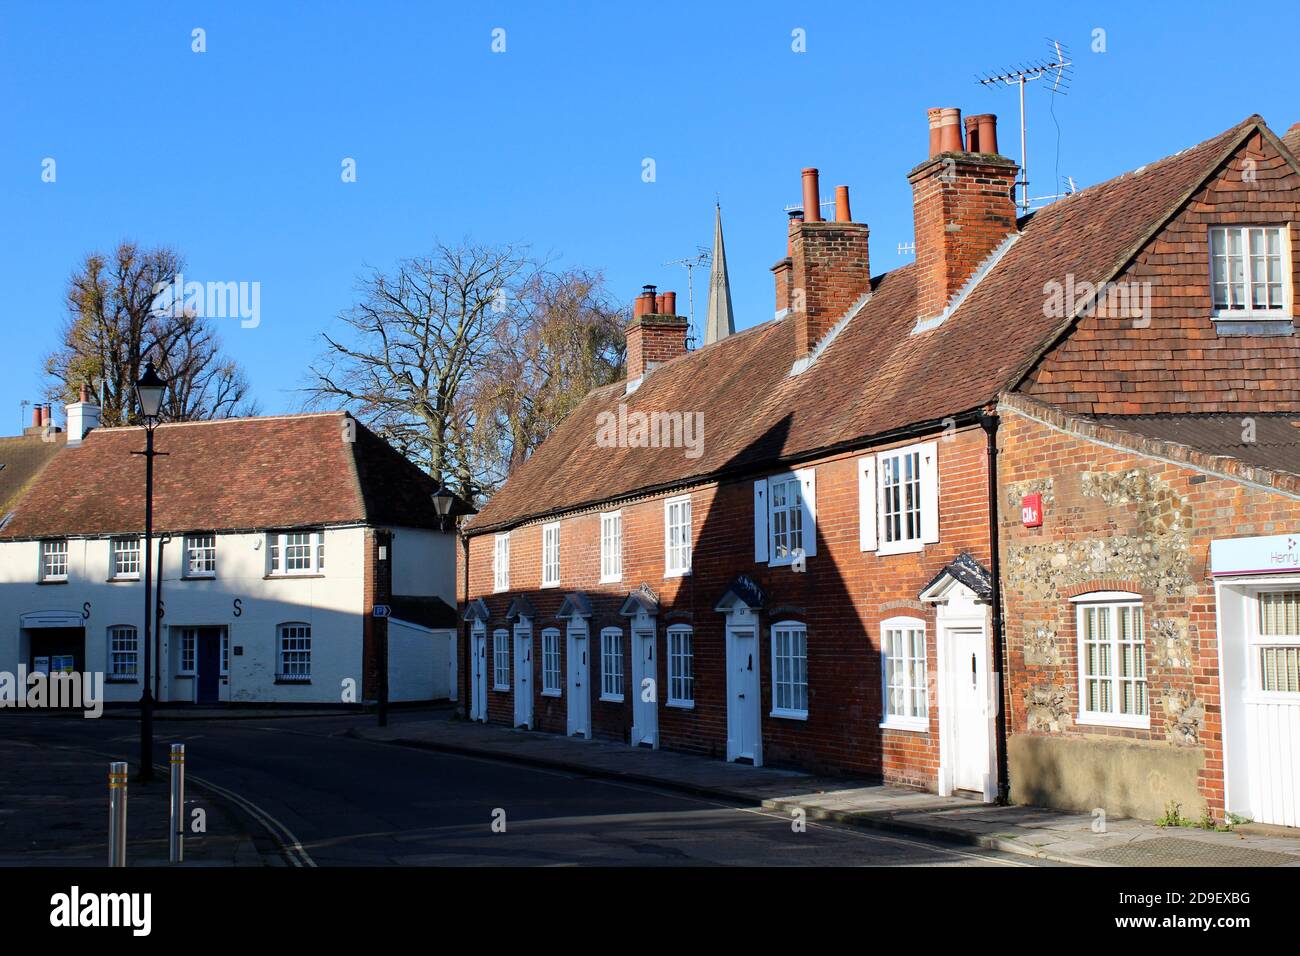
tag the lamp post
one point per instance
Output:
(149, 392)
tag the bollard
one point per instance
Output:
(176, 845)
(117, 813)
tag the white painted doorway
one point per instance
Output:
(578, 656)
(478, 697)
(524, 674)
(744, 724)
(645, 689)
(969, 699)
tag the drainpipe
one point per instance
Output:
(989, 422)
(465, 689)
(158, 617)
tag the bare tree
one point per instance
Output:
(440, 347)
(115, 324)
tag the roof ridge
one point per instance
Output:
(284, 416)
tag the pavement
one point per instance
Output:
(1077, 839)
(54, 812)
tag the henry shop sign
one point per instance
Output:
(1273, 554)
(1031, 510)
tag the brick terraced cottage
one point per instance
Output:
(275, 538)
(972, 525)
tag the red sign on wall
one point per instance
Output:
(1031, 510)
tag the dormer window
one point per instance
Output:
(1250, 274)
(292, 553)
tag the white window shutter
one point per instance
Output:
(808, 486)
(760, 521)
(867, 503)
(929, 492)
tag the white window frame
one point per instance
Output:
(611, 547)
(297, 631)
(1109, 601)
(681, 666)
(927, 491)
(53, 548)
(552, 673)
(793, 629)
(115, 632)
(119, 547)
(677, 558)
(501, 563)
(207, 553)
(613, 673)
(277, 545)
(1258, 642)
(189, 648)
(551, 555)
(1285, 308)
(906, 628)
(501, 659)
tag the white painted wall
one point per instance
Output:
(424, 563)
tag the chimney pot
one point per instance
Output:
(973, 134)
(659, 304)
(45, 415)
(36, 416)
(669, 303)
(988, 132)
(842, 213)
(792, 226)
(934, 115)
(83, 394)
(811, 196)
(950, 130)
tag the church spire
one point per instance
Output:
(720, 323)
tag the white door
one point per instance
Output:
(743, 725)
(645, 688)
(579, 682)
(1272, 707)
(524, 675)
(970, 709)
(478, 699)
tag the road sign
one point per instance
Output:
(381, 610)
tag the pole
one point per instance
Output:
(176, 845)
(117, 813)
(146, 697)
(1024, 153)
(382, 640)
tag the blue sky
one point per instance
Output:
(233, 156)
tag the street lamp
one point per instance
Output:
(149, 393)
(443, 499)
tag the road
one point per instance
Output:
(351, 802)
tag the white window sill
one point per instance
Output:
(900, 547)
(125, 577)
(205, 576)
(611, 699)
(501, 688)
(551, 693)
(501, 590)
(789, 714)
(1125, 721)
(676, 574)
(916, 724)
(55, 579)
(614, 580)
(682, 704)
(550, 584)
(786, 562)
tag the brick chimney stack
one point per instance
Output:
(829, 267)
(964, 205)
(655, 334)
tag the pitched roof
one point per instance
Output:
(876, 377)
(1292, 140)
(286, 471)
(1274, 439)
(21, 459)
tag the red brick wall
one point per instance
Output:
(378, 588)
(1116, 520)
(962, 209)
(830, 271)
(842, 597)
(1177, 362)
